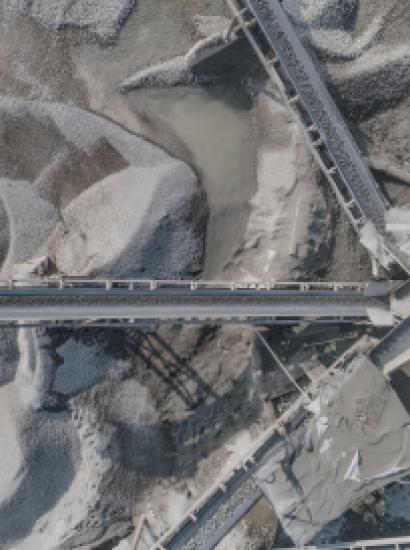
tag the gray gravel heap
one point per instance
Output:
(103, 17)
(134, 210)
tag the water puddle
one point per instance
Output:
(212, 131)
(209, 128)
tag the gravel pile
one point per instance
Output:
(326, 26)
(330, 14)
(179, 70)
(378, 80)
(69, 174)
(102, 17)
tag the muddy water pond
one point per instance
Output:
(211, 129)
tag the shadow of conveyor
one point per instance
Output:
(172, 369)
(214, 417)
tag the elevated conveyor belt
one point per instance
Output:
(311, 91)
(230, 497)
(290, 66)
(107, 302)
(398, 543)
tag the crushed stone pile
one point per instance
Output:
(102, 17)
(180, 69)
(67, 175)
(331, 14)
(378, 80)
(76, 470)
(325, 25)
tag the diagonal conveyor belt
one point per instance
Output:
(320, 106)
(290, 67)
(218, 516)
(228, 500)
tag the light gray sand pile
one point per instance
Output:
(39, 450)
(180, 70)
(288, 226)
(79, 174)
(31, 220)
(102, 17)
(35, 369)
(326, 26)
(55, 463)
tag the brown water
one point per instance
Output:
(209, 128)
(212, 131)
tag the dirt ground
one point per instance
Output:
(144, 419)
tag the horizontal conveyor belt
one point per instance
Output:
(103, 304)
(397, 543)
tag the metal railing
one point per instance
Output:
(398, 543)
(350, 199)
(58, 282)
(251, 458)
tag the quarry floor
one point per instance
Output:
(176, 406)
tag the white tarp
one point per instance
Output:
(317, 473)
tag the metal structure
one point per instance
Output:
(290, 67)
(112, 302)
(287, 63)
(230, 497)
(397, 543)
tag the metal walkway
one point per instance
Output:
(398, 543)
(103, 302)
(288, 64)
(209, 520)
